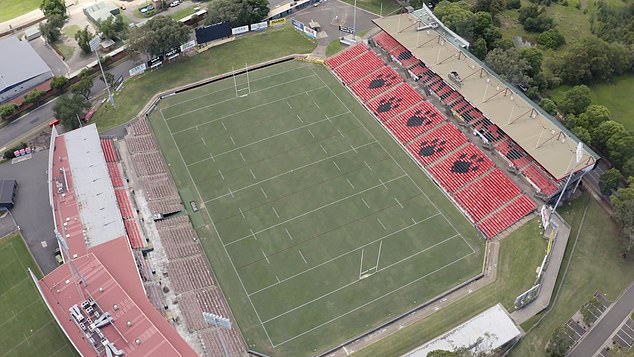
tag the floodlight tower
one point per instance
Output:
(577, 158)
(94, 45)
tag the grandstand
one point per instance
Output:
(532, 143)
(484, 193)
(97, 296)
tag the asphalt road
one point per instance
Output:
(44, 113)
(604, 328)
(32, 211)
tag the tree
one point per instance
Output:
(59, 82)
(538, 24)
(33, 97)
(593, 117)
(513, 4)
(54, 8)
(592, 59)
(620, 147)
(50, 31)
(575, 100)
(492, 6)
(551, 39)
(158, 36)
(534, 58)
(582, 133)
(609, 181)
(623, 202)
(457, 16)
(69, 109)
(7, 110)
(109, 78)
(549, 106)
(82, 87)
(238, 12)
(526, 12)
(83, 38)
(510, 65)
(113, 28)
(604, 131)
(628, 167)
(479, 48)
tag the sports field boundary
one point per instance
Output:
(486, 271)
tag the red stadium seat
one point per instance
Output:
(395, 101)
(438, 143)
(461, 168)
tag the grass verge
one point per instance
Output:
(71, 30)
(520, 254)
(249, 49)
(182, 13)
(379, 7)
(65, 50)
(28, 329)
(333, 47)
(14, 8)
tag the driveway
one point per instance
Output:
(49, 56)
(330, 15)
(604, 328)
(32, 211)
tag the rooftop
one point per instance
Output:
(542, 136)
(7, 187)
(19, 62)
(485, 332)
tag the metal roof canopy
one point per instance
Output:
(19, 62)
(538, 133)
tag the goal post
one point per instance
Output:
(243, 89)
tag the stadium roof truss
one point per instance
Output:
(541, 135)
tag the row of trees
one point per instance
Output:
(55, 13)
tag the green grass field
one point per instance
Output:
(317, 225)
(28, 328)
(14, 8)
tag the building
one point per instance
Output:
(101, 11)
(21, 68)
(97, 296)
(8, 189)
(491, 330)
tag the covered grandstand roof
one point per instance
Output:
(103, 267)
(485, 332)
(538, 133)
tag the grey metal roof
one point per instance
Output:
(18, 62)
(6, 191)
(95, 196)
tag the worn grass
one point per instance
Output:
(301, 193)
(379, 7)
(65, 50)
(333, 47)
(14, 8)
(28, 328)
(71, 30)
(251, 49)
(520, 254)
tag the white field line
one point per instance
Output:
(257, 314)
(264, 139)
(337, 166)
(381, 223)
(314, 210)
(265, 257)
(357, 280)
(236, 98)
(6, 353)
(370, 302)
(365, 203)
(221, 175)
(346, 253)
(302, 255)
(322, 147)
(231, 88)
(396, 162)
(241, 213)
(399, 202)
(367, 165)
(378, 256)
(350, 183)
(242, 156)
(289, 171)
(232, 141)
(252, 174)
(275, 211)
(266, 197)
(300, 119)
(238, 112)
(288, 233)
(311, 133)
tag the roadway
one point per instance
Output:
(38, 118)
(603, 329)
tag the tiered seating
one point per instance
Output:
(109, 151)
(401, 55)
(179, 241)
(395, 101)
(485, 195)
(461, 168)
(386, 41)
(149, 163)
(115, 174)
(359, 67)
(189, 273)
(452, 98)
(192, 312)
(507, 216)
(213, 345)
(540, 179)
(419, 70)
(166, 206)
(172, 222)
(139, 127)
(438, 143)
(490, 131)
(137, 144)
(376, 83)
(124, 203)
(134, 236)
(144, 267)
(159, 187)
(155, 295)
(414, 122)
(346, 55)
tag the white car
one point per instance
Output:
(175, 3)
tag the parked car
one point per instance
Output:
(175, 3)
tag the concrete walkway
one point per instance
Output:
(550, 275)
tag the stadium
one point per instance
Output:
(290, 207)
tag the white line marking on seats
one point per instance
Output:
(381, 223)
(302, 255)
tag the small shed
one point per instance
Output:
(32, 33)
(8, 190)
(101, 11)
